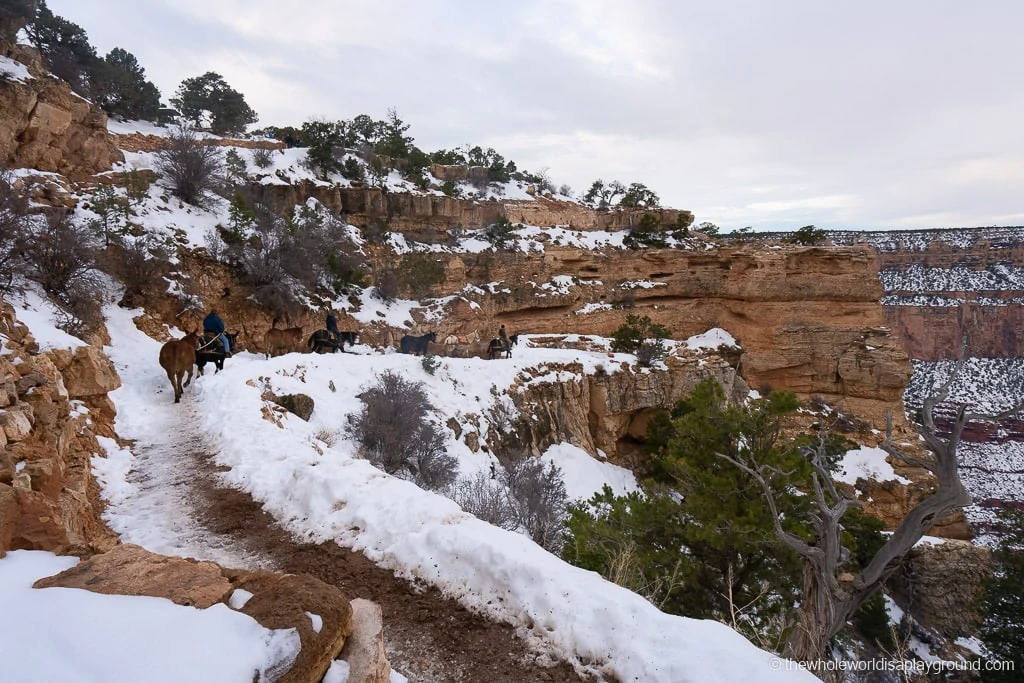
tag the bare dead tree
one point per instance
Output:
(828, 603)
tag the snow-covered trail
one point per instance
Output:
(154, 491)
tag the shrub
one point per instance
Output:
(808, 236)
(641, 336)
(62, 259)
(649, 233)
(451, 189)
(430, 363)
(538, 492)
(353, 170)
(14, 222)
(192, 167)
(111, 210)
(396, 434)
(419, 273)
(385, 284)
(141, 264)
(263, 157)
(499, 233)
(234, 166)
(528, 497)
(1002, 601)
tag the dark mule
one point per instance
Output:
(210, 349)
(276, 342)
(177, 358)
(495, 347)
(416, 345)
(321, 341)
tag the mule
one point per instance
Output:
(416, 345)
(495, 347)
(210, 349)
(177, 358)
(276, 342)
(321, 341)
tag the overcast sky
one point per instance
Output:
(866, 114)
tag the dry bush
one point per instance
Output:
(486, 499)
(192, 167)
(141, 264)
(397, 435)
(13, 231)
(263, 157)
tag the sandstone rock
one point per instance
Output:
(940, 583)
(283, 601)
(6, 466)
(15, 424)
(297, 404)
(364, 650)
(44, 125)
(87, 372)
(39, 524)
(131, 570)
(9, 512)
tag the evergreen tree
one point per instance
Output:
(14, 15)
(208, 98)
(64, 46)
(1002, 606)
(120, 87)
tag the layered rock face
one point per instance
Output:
(53, 406)
(807, 318)
(947, 287)
(45, 126)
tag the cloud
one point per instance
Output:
(748, 113)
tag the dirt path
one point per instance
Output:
(428, 637)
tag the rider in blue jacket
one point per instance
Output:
(214, 325)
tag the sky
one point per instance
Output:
(845, 115)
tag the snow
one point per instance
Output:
(712, 339)
(14, 70)
(585, 475)
(322, 492)
(868, 463)
(67, 634)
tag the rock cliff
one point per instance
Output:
(46, 126)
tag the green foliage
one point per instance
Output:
(601, 196)
(241, 218)
(448, 157)
(112, 210)
(208, 98)
(636, 542)
(640, 336)
(120, 87)
(499, 233)
(1002, 604)
(649, 233)
(809, 236)
(323, 138)
(639, 196)
(393, 141)
(704, 547)
(451, 189)
(15, 14)
(353, 170)
(419, 273)
(289, 135)
(234, 166)
(65, 47)
(708, 228)
(430, 363)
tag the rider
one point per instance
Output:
(332, 327)
(212, 324)
(503, 338)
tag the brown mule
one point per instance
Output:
(177, 357)
(276, 342)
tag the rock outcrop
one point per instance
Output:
(53, 406)
(46, 126)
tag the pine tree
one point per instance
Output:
(208, 98)
(1002, 606)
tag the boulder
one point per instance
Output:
(287, 601)
(87, 371)
(131, 570)
(364, 650)
(297, 404)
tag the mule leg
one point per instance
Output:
(189, 377)
(175, 384)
